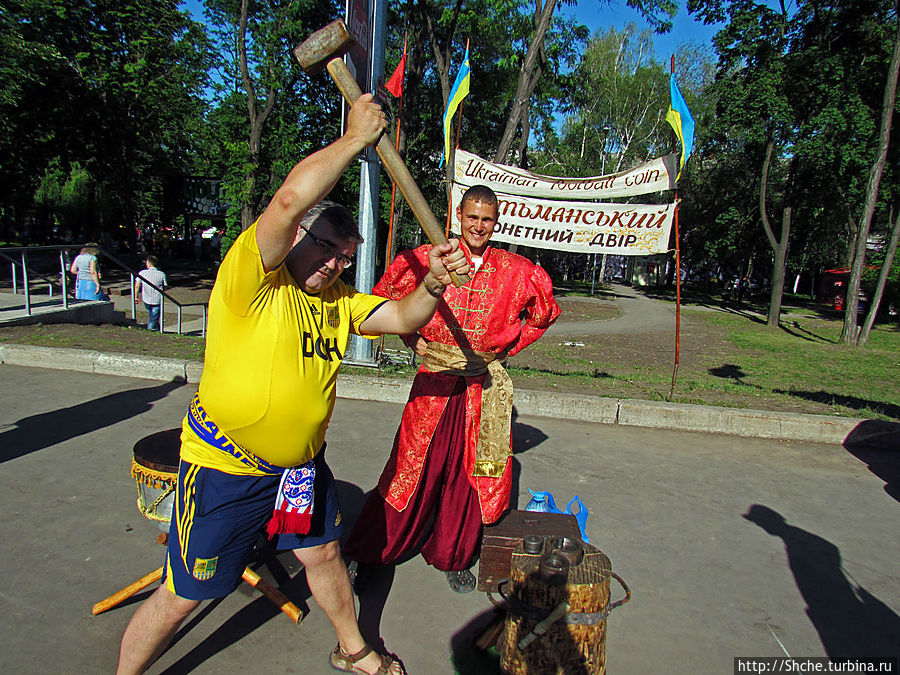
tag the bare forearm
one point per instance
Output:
(417, 308)
(407, 315)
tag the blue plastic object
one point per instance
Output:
(581, 516)
(542, 502)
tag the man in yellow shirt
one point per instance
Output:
(253, 438)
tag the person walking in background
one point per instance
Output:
(87, 273)
(152, 298)
(198, 245)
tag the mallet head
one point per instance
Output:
(330, 42)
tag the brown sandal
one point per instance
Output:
(346, 662)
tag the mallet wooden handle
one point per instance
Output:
(127, 592)
(273, 594)
(395, 167)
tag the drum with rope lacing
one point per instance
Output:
(154, 468)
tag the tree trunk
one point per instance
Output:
(879, 287)
(257, 121)
(442, 54)
(779, 247)
(527, 78)
(849, 331)
(778, 270)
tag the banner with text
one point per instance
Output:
(580, 227)
(653, 176)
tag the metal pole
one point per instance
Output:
(162, 312)
(361, 348)
(133, 299)
(25, 284)
(14, 278)
(64, 278)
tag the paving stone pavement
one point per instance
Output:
(731, 546)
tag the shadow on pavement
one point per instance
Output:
(850, 621)
(249, 618)
(889, 409)
(37, 432)
(468, 658)
(877, 443)
(524, 436)
(238, 626)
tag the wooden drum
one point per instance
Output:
(557, 608)
(154, 468)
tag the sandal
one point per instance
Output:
(346, 662)
(461, 581)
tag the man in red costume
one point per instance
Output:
(452, 454)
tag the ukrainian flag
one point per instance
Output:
(680, 118)
(459, 91)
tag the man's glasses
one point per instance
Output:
(330, 250)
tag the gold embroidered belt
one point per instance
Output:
(496, 401)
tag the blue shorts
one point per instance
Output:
(217, 520)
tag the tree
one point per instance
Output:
(880, 285)
(795, 87)
(617, 100)
(115, 87)
(535, 63)
(271, 112)
(849, 333)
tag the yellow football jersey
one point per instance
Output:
(272, 358)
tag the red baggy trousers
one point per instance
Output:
(443, 513)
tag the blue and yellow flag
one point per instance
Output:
(459, 91)
(680, 118)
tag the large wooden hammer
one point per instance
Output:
(325, 48)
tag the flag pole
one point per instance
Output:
(450, 195)
(677, 279)
(390, 237)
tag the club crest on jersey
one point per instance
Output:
(332, 316)
(205, 568)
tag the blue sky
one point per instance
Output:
(598, 15)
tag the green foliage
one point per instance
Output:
(617, 98)
(269, 116)
(112, 86)
(802, 73)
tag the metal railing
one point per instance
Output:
(18, 258)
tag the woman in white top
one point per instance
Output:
(87, 275)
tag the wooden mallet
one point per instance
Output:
(325, 49)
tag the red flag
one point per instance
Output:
(395, 84)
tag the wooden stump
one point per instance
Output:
(569, 648)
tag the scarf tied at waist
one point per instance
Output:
(293, 509)
(493, 448)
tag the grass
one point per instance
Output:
(727, 358)
(123, 339)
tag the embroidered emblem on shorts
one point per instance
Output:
(204, 569)
(332, 316)
(338, 519)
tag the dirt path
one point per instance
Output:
(637, 314)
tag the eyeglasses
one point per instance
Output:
(330, 250)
